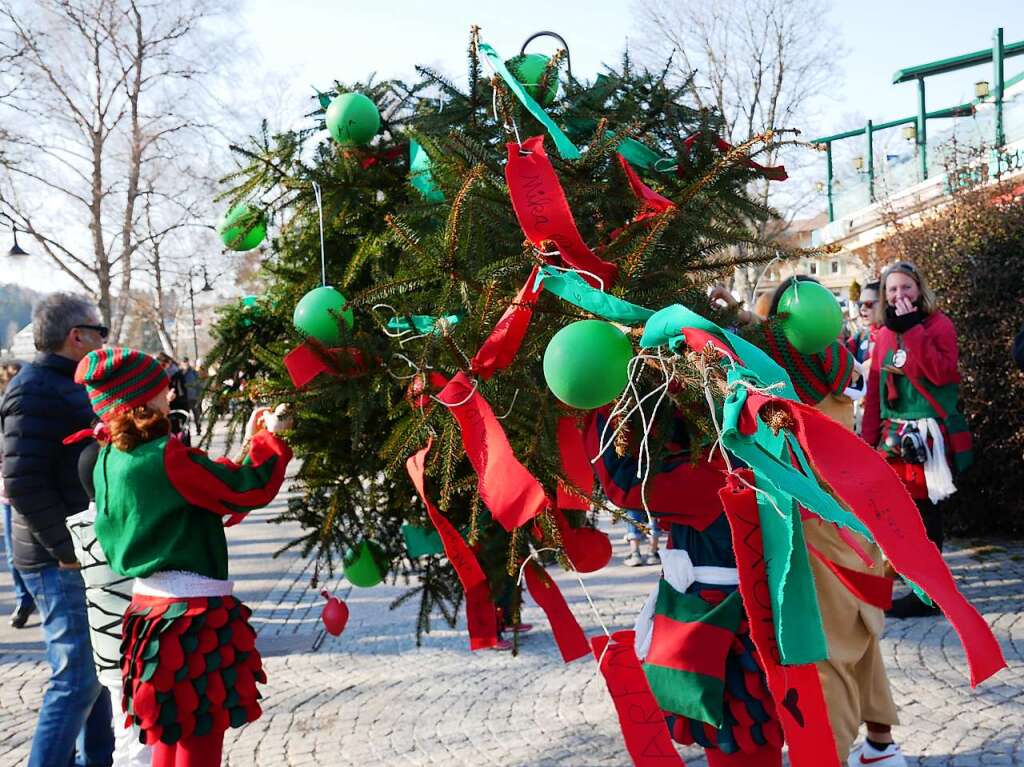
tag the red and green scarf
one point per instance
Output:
(814, 376)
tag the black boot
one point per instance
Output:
(20, 615)
(910, 607)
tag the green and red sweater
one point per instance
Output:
(161, 506)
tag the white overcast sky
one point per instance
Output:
(313, 42)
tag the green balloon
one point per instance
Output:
(366, 564)
(353, 119)
(243, 227)
(317, 314)
(814, 319)
(529, 69)
(585, 364)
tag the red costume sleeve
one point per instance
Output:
(224, 487)
(932, 351)
(871, 426)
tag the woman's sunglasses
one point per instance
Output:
(102, 330)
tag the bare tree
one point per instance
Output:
(107, 119)
(762, 64)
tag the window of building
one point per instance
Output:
(835, 267)
(812, 267)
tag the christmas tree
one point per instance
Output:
(436, 232)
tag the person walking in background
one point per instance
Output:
(41, 406)
(24, 605)
(634, 535)
(862, 339)
(910, 410)
(177, 396)
(193, 390)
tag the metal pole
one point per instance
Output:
(828, 165)
(871, 161)
(922, 130)
(192, 301)
(998, 53)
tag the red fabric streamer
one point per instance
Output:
(865, 484)
(772, 173)
(544, 213)
(481, 618)
(569, 637)
(513, 495)
(651, 200)
(575, 466)
(642, 722)
(502, 345)
(796, 690)
(875, 590)
(389, 154)
(304, 364)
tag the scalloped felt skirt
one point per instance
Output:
(189, 665)
(749, 711)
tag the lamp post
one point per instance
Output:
(16, 249)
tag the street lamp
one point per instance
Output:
(858, 163)
(16, 249)
(981, 89)
(910, 132)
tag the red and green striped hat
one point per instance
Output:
(120, 379)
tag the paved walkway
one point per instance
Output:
(371, 697)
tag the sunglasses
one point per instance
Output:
(102, 330)
(867, 304)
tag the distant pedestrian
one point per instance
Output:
(24, 605)
(193, 389)
(177, 397)
(41, 406)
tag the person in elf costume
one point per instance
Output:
(911, 406)
(189, 663)
(848, 570)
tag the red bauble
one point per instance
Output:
(335, 614)
(588, 549)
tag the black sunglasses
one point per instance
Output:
(102, 330)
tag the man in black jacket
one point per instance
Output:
(41, 406)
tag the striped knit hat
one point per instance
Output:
(119, 379)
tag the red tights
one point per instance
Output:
(763, 757)
(194, 751)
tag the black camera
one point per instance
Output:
(913, 447)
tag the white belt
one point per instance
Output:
(716, 576)
(180, 583)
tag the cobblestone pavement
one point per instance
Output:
(371, 697)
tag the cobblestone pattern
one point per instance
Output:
(371, 697)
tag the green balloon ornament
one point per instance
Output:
(242, 228)
(352, 119)
(317, 314)
(585, 364)
(366, 564)
(528, 69)
(814, 319)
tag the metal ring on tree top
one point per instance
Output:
(565, 45)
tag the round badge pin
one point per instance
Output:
(899, 358)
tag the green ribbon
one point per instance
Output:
(566, 149)
(419, 173)
(642, 156)
(570, 286)
(421, 323)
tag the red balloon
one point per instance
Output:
(588, 549)
(335, 614)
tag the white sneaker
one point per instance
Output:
(654, 558)
(867, 755)
(633, 560)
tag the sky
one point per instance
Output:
(313, 42)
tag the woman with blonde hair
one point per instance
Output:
(911, 407)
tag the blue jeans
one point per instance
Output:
(632, 530)
(22, 599)
(76, 711)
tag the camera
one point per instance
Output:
(913, 447)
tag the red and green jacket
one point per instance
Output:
(162, 506)
(927, 386)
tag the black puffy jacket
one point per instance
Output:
(43, 405)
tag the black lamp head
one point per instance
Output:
(16, 249)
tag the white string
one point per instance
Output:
(494, 101)
(458, 404)
(764, 272)
(410, 363)
(384, 326)
(757, 489)
(320, 211)
(714, 419)
(569, 269)
(512, 405)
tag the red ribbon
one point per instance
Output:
(865, 484)
(569, 637)
(575, 466)
(772, 173)
(513, 495)
(641, 720)
(502, 345)
(796, 690)
(304, 364)
(481, 618)
(544, 213)
(652, 202)
(875, 590)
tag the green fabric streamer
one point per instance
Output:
(643, 156)
(566, 149)
(569, 286)
(421, 323)
(419, 173)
